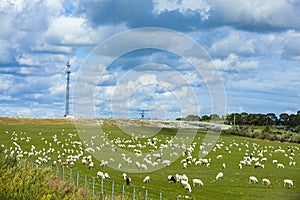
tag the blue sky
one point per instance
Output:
(255, 45)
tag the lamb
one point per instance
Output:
(219, 176)
(146, 179)
(288, 182)
(266, 181)
(171, 179)
(253, 179)
(197, 182)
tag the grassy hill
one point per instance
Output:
(40, 132)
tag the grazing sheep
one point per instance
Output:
(219, 157)
(197, 182)
(279, 165)
(171, 179)
(91, 165)
(266, 181)
(146, 179)
(219, 176)
(185, 178)
(100, 174)
(188, 187)
(106, 175)
(253, 179)
(224, 165)
(240, 166)
(288, 182)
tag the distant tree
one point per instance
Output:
(205, 118)
(215, 117)
(192, 118)
(244, 118)
(283, 119)
(271, 119)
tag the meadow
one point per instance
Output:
(39, 133)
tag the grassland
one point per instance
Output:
(234, 185)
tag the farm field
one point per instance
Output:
(56, 140)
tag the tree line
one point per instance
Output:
(284, 120)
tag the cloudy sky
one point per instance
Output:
(254, 47)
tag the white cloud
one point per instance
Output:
(279, 14)
(236, 42)
(232, 62)
(185, 7)
(70, 30)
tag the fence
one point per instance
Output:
(102, 188)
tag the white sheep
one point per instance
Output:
(106, 175)
(224, 165)
(171, 179)
(146, 179)
(253, 179)
(100, 174)
(279, 165)
(219, 176)
(127, 179)
(188, 188)
(91, 165)
(197, 182)
(266, 181)
(288, 182)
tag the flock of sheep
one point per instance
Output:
(149, 153)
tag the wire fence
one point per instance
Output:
(102, 188)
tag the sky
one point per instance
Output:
(253, 49)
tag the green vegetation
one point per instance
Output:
(19, 182)
(268, 133)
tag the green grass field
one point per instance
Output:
(234, 185)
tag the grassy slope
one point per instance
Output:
(233, 186)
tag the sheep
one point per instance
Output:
(279, 165)
(187, 186)
(146, 179)
(185, 178)
(219, 157)
(178, 177)
(100, 174)
(91, 165)
(253, 179)
(127, 179)
(171, 179)
(266, 181)
(184, 165)
(106, 175)
(144, 167)
(288, 182)
(224, 165)
(219, 176)
(197, 182)
(240, 166)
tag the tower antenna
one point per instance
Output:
(67, 110)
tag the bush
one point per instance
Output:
(20, 182)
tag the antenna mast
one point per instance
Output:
(67, 110)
